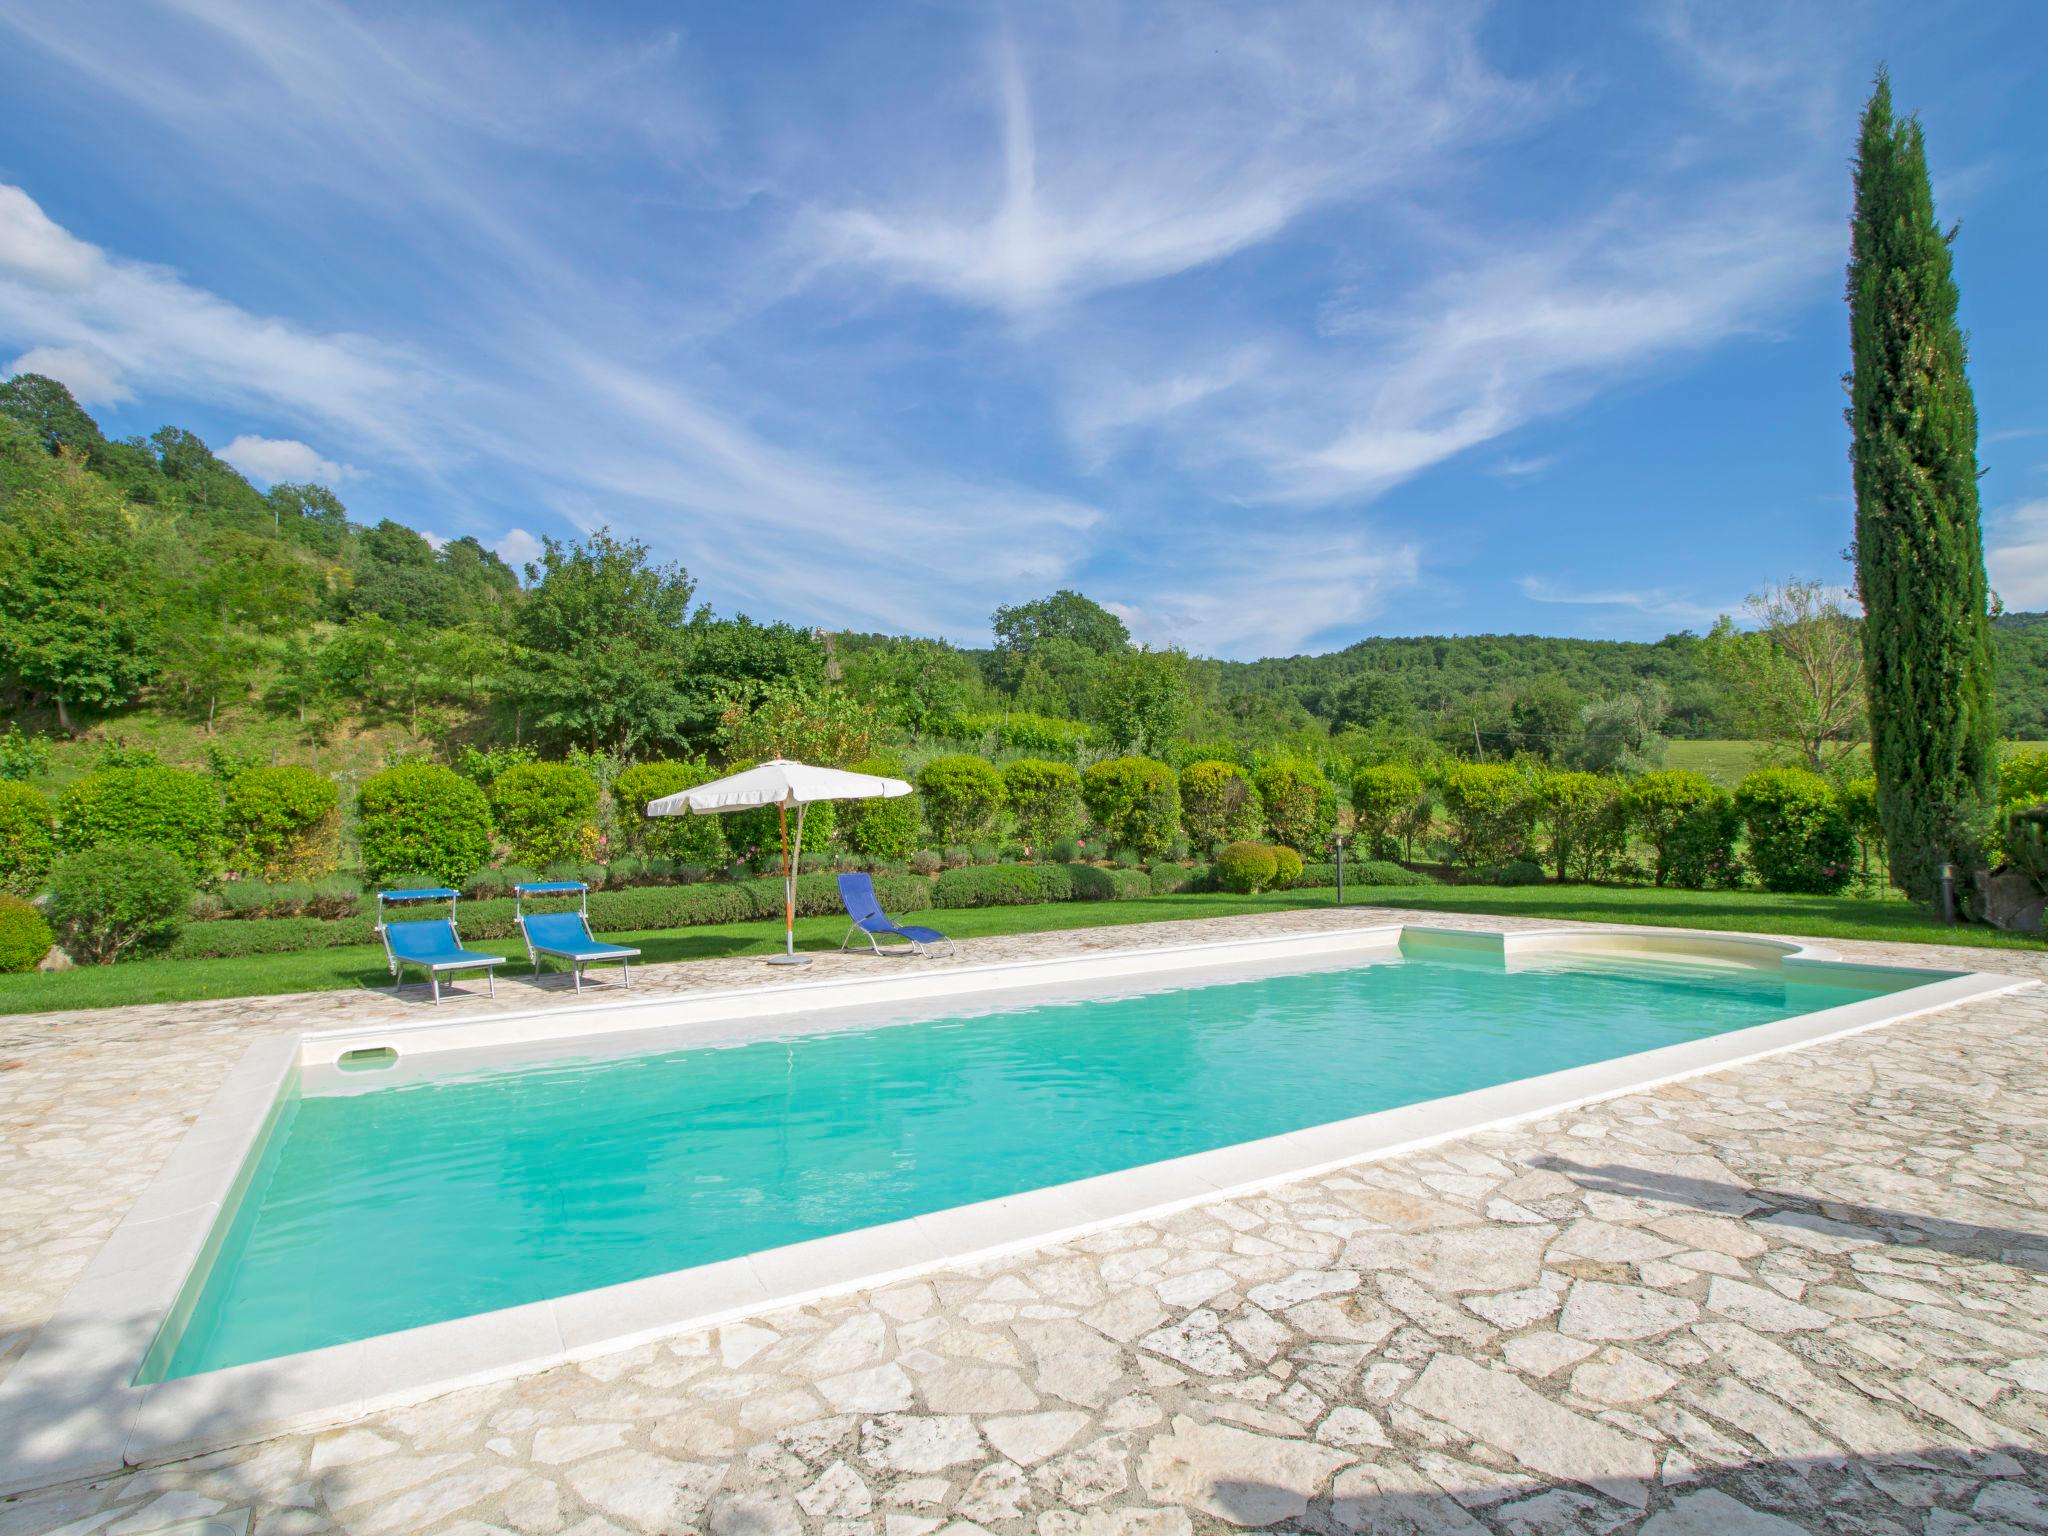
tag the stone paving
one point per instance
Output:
(1806, 1294)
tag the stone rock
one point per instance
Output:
(907, 1442)
(1235, 1475)
(1029, 1438)
(879, 1389)
(838, 1494)
(1087, 1475)
(1303, 1285)
(861, 1340)
(1618, 1379)
(638, 1488)
(1606, 1243)
(1597, 1310)
(957, 1388)
(2011, 900)
(1074, 1361)
(755, 1514)
(56, 960)
(559, 1443)
(1544, 1354)
(1498, 1409)
(997, 1492)
(1351, 1426)
(1126, 1315)
(1395, 1500)
(1114, 1522)
(1713, 1513)
(1198, 1343)
(1467, 1259)
(1762, 1309)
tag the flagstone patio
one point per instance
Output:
(1810, 1293)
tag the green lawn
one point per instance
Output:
(169, 981)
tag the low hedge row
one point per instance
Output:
(653, 908)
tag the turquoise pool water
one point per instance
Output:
(371, 1211)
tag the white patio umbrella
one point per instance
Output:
(782, 784)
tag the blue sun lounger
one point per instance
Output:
(430, 943)
(566, 935)
(857, 894)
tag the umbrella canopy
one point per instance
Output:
(776, 782)
(782, 784)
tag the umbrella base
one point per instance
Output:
(789, 959)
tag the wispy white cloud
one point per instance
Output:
(274, 459)
(1274, 595)
(516, 548)
(92, 377)
(2016, 554)
(1522, 469)
(1659, 603)
(145, 327)
(1132, 146)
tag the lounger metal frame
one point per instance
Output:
(577, 962)
(899, 930)
(433, 968)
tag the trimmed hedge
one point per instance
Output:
(1380, 872)
(284, 823)
(24, 937)
(1136, 802)
(698, 839)
(167, 808)
(962, 798)
(1246, 868)
(28, 838)
(118, 900)
(1218, 804)
(425, 818)
(543, 809)
(1045, 800)
(1294, 793)
(1799, 835)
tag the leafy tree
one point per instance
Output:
(912, 684)
(1795, 679)
(1624, 733)
(56, 420)
(1066, 615)
(310, 516)
(1919, 546)
(78, 595)
(1371, 701)
(1140, 699)
(826, 725)
(1545, 719)
(604, 639)
(1058, 678)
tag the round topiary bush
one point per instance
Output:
(1799, 836)
(541, 810)
(24, 936)
(1296, 797)
(283, 823)
(962, 797)
(167, 808)
(698, 839)
(1383, 796)
(880, 831)
(28, 838)
(424, 818)
(118, 900)
(1218, 804)
(1661, 806)
(1044, 799)
(1136, 802)
(1246, 868)
(1490, 810)
(1287, 867)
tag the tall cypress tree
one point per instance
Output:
(1919, 549)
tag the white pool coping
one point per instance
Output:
(69, 1408)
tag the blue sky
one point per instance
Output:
(1271, 325)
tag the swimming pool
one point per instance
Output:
(463, 1184)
